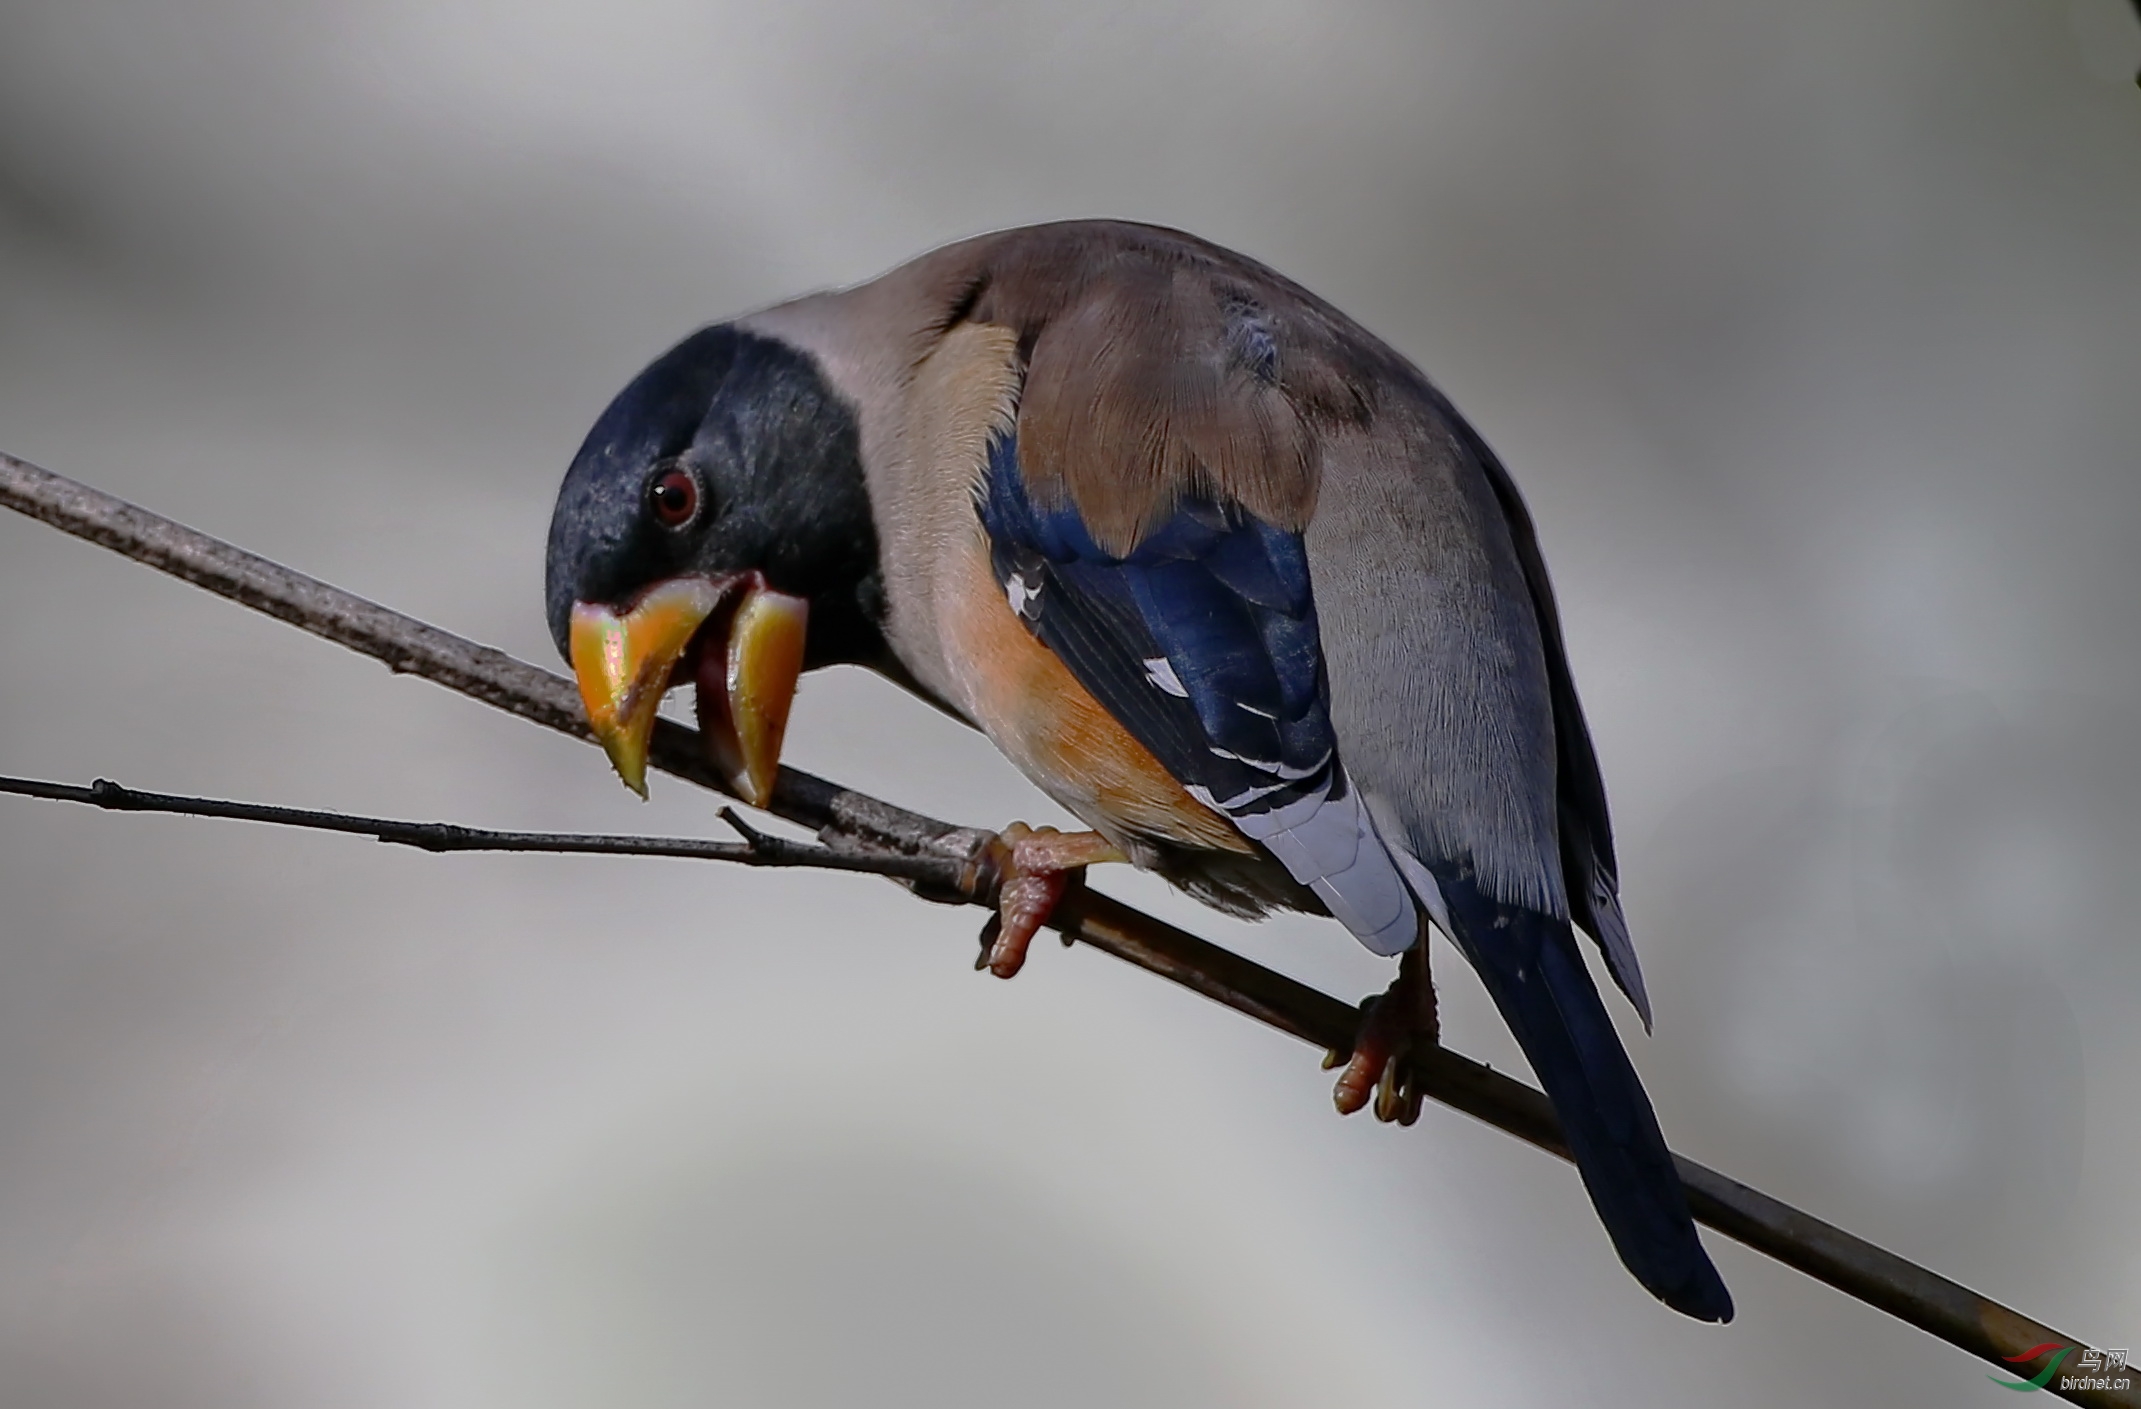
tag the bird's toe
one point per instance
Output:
(1393, 1026)
(1037, 867)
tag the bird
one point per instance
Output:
(1214, 566)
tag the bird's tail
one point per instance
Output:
(1536, 977)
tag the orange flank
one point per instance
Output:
(1035, 710)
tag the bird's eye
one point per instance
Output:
(674, 498)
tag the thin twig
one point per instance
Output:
(756, 849)
(846, 818)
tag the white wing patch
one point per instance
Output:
(1234, 804)
(1160, 672)
(1025, 597)
(1274, 768)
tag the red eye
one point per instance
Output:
(674, 498)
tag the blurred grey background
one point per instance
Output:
(1811, 331)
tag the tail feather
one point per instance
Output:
(1537, 979)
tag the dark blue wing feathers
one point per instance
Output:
(1202, 642)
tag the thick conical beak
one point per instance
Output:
(746, 675)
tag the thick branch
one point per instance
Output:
(852, 821)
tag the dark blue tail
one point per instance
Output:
(1531, 968)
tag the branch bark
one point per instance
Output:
(854, 822)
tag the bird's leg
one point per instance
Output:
(1037, 865)
(1392, 1027)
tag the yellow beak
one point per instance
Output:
(746, 675)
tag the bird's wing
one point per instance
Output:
(1153, 490)
(1165, 376)
(1201, 640)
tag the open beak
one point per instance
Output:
(743, 642)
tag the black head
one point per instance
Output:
(730, 453)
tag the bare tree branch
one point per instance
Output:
(855, 823)
(939, 874)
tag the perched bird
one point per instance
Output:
(1217, 569)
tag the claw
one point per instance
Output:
(1396, 1099)
(1392, 1027)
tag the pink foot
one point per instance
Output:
(1392, 1027)
(1037, 865)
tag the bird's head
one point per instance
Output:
(714, 529)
